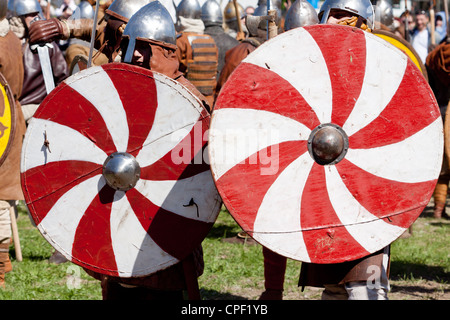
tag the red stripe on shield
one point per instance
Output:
(387, 197)
(46, 184)
(262, 89)
(185, 160)
(345, 56)
(140, 108)
(322, 230)
(253, 185)
(92, 244)
(402, 117)
(76, 112)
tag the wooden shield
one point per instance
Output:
(403, 45)
(92, 116)
(7, 118)
(266, 137)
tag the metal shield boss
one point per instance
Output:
(326, 143)
(7, 118)
(114, 174)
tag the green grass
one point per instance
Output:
(232, 270)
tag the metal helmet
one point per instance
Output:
(384, 12)
(211, 13)
(83, 11)
(23, 7)
(3, 9)
(125, 9)
(261, 10)
(229, 12)
(189, 9)
(152, 22)
(363, 8)
(300, 14)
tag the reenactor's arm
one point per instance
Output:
(56, 29)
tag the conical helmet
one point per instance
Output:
(229, 12)
(300, 14)
(83, 11)
(23, 7)
(189, 9)
(261, 10)
(125, 9)
(384, 12)
(211, 13)
(151, 23)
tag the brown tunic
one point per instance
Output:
(11, 66)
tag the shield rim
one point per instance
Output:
(12, 104)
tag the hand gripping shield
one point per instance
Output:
(326, 144)
(7, 118)
(114, 174)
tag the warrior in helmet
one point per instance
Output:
(152, 45)
(11, 67)
(354, 13)
(197, 52)
(109, 29)
(302, 14)
(213, 19)
(85, 10)
(235, 55)
(233, 26)
(34, 90)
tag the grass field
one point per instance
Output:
(420, 268)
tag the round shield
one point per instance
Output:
(113, 170)
(326, 144)
(403, 45)
(7, 118)
(79, 62)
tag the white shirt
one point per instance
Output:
(420, 43)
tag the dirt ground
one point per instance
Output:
(400, 290)
(418, 289)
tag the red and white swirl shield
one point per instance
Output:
(272, 106)
(96, 113)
